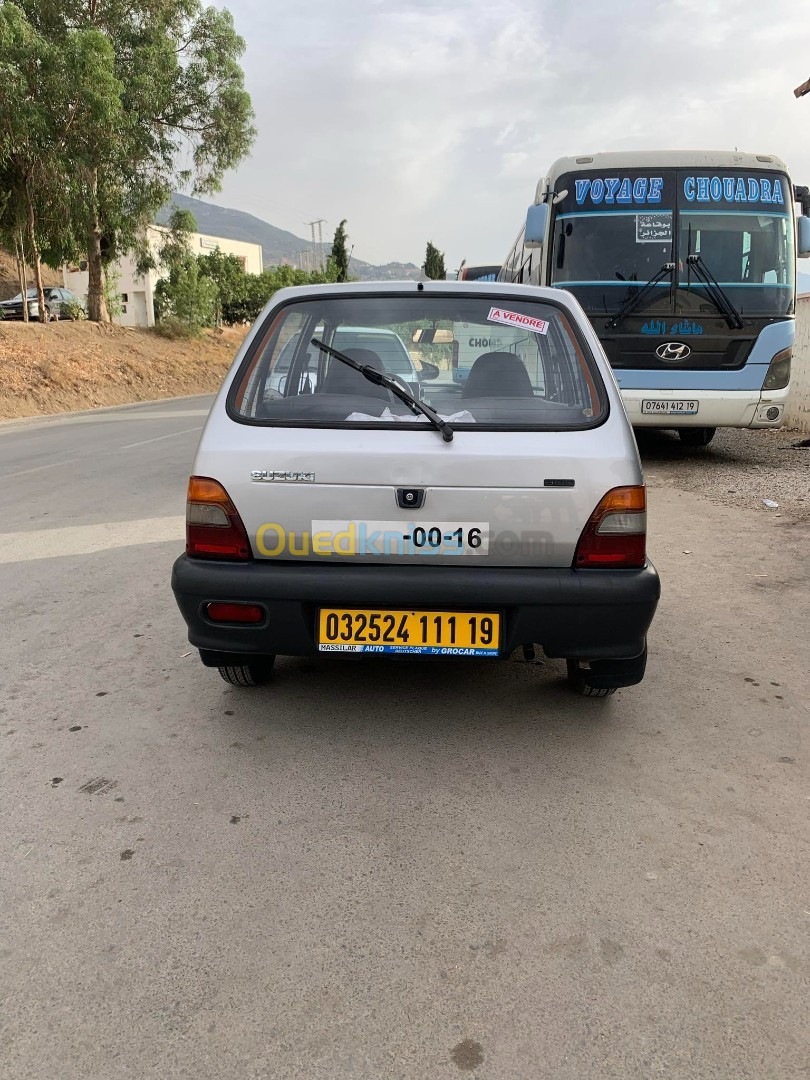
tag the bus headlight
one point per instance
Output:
(778, 371)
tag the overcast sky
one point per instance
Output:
(433, 119)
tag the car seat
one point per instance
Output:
(498, 374)
(341, 379)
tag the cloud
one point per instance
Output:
(434, 119)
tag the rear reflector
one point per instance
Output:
(239, 613)
(616, 534)
(214, 529)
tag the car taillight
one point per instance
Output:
(214, 529)
(616, 534)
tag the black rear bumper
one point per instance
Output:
(575, 614)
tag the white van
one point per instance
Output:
(352, 511)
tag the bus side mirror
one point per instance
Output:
(803, 237)
(536, 225)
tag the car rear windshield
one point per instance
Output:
(485, 363)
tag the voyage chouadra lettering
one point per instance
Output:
(647, 190)
(734, 189)
(619, 191)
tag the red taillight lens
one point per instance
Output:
(616, 534)
(214, 529)
(241, 613)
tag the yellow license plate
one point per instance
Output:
(426, 633)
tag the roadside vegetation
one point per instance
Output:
(200, 291)
(99, 103)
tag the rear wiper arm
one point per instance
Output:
(715, 292)
(379, 379)
(639, 297)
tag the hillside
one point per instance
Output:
(278, 245)
(69, 366)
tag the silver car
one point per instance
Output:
(498, 506)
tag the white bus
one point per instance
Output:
(686, 265)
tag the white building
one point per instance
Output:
(137, 292)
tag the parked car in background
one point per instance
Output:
(387, 344)
(59, 304)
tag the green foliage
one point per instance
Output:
(175, 329)
(72, 309)
(233, 285)
(175, 245)
(434, 263)
(99, 102)
(241, 296)
(112, 294)
(339, 259)
(187, 295)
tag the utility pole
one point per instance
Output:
(318, 246)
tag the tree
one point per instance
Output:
(187, 295)
(175, 92)
(233, 284)
(434, 263)
(175, 245)
(12, 229)
(340, 256)
(26, 77)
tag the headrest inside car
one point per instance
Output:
(498, 374)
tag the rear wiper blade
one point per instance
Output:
(715, 292)
(639, 297)
(379, 379)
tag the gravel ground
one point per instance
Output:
(739, 468)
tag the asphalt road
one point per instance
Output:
(373, 870)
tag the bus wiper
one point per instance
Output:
(379, 379)
(715, 292)
(638, 298)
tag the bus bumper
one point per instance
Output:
(716, 408)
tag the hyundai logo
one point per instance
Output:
(672, 352)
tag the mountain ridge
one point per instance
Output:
(278, 245)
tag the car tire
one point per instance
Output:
(578, 682)
(696, 436)
(254, 673)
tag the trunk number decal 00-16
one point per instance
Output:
(405, 537)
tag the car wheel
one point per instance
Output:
(696, 436)
(578, 681)
(254, 673)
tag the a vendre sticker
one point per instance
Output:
(514, 318)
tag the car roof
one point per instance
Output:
(475, 289)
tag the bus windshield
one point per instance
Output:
(605, 253)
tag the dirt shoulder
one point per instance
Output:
(65, 367)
